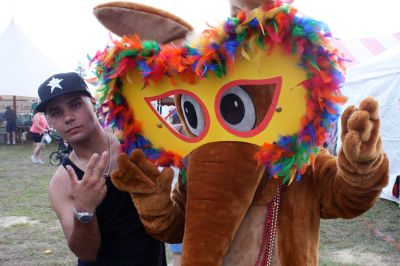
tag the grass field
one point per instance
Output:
(31, 235)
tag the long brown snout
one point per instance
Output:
(222, 179)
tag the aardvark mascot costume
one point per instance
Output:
(256, 98)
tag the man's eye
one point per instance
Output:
(55, 114)
(75, 105)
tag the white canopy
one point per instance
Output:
(22, 66)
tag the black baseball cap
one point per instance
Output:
(60, 84)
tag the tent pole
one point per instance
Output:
(15, 103)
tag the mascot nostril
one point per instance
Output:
(256, 98)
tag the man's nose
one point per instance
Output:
(69, 116)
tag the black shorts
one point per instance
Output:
(36, 137)
(11, 127)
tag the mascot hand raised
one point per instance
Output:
(360, 133)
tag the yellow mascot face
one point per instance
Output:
(269, 78)
(256, 103)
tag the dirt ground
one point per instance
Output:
(30, 233)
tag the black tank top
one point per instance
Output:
(124, 240)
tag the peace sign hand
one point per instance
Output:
(89, 192)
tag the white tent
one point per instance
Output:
(22, 66)
(379, 77)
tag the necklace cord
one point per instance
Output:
(109, 156)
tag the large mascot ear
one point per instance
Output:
(237, 5)
(149, 23)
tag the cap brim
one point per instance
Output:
(42, 106)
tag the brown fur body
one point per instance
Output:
(226, 196)
(219, 214)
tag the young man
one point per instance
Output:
(100, 223)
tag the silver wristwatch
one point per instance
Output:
(83, 217)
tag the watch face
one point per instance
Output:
(86, 218)
(83, 217)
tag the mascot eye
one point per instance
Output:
(237, 109)
(193, 113)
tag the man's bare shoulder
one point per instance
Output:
(60, 182)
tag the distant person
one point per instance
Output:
(37, 130)
(11, 127)
(176, 250)
(100, 222)
(174, 121)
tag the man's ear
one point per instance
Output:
(149, 23)
(94, 104)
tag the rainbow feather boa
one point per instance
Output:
(264, 28)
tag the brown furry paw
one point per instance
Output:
(138, 175)
(360, 131)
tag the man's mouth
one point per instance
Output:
(71, 130)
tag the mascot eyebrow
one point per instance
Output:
(251, 37)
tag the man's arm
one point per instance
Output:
(66, 193)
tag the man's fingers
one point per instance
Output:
(91, 164)
(102, 181)
(72, 175)
(99, 168)
(102, 184)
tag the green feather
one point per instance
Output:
(117, 99)
(275, 26)
(236, 21)
(294, 48)
(149, 48)
(314, 63)
(260, 41)
(241, 36)
(103, 92)
(183, 175)
(285, 8)
(297, 31)
(286, 179)
(125, 53)
(314, 38)
(287, 165)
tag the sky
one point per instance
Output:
(66, 31)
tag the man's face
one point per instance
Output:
(72, 115)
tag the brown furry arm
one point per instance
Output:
(352, 183)
(161, 212)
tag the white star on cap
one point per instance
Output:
(54, 83)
